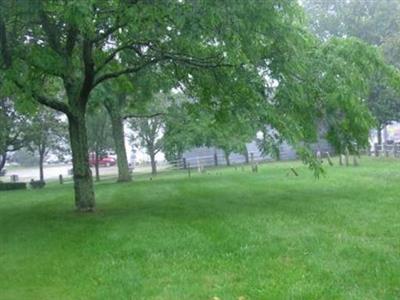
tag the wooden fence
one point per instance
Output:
(385, 150)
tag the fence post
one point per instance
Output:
(188, 168)
(61, 179)
(346, 157)
(198, 165)
(376, 150)
(215, 158)
(184, 162)
(246, 156)
(328, 157)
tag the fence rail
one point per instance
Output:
(185, 165)
(387, 150)
(63, 174)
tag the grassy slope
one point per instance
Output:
(232, 234)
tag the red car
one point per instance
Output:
(102, 161)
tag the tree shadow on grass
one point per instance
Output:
(175, 201)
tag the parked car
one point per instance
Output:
(103, 161)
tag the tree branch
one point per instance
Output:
(207, 63)
(125, 71)
(112, 55)
(16, 142)
(5, 53)
(50, 30)
(72, 34)
(132, 45)
(129, 116)
(109, 31)
(215, 61)
(55, 104)
(88, 62)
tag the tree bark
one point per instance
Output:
(117, 125)
(41, 160)
(83, 182)
(3, 159)
(153, 164)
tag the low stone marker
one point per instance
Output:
(14, 178)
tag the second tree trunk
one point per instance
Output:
(83, 182)
(119, 141)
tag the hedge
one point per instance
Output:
(37, 184)
(8, 186)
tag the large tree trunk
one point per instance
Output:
(83, 182)
(153, 164)
(3, 159)
(119, 140)
(41, 160)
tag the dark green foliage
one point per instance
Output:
(8, 186)
(241, 62)
(376, 23)
(59, 52)
(14, 129)
(37, 184)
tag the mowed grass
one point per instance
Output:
(229, 234)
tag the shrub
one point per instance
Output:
(8, 186)
(37, 184)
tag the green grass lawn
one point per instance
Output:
(231, 235)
